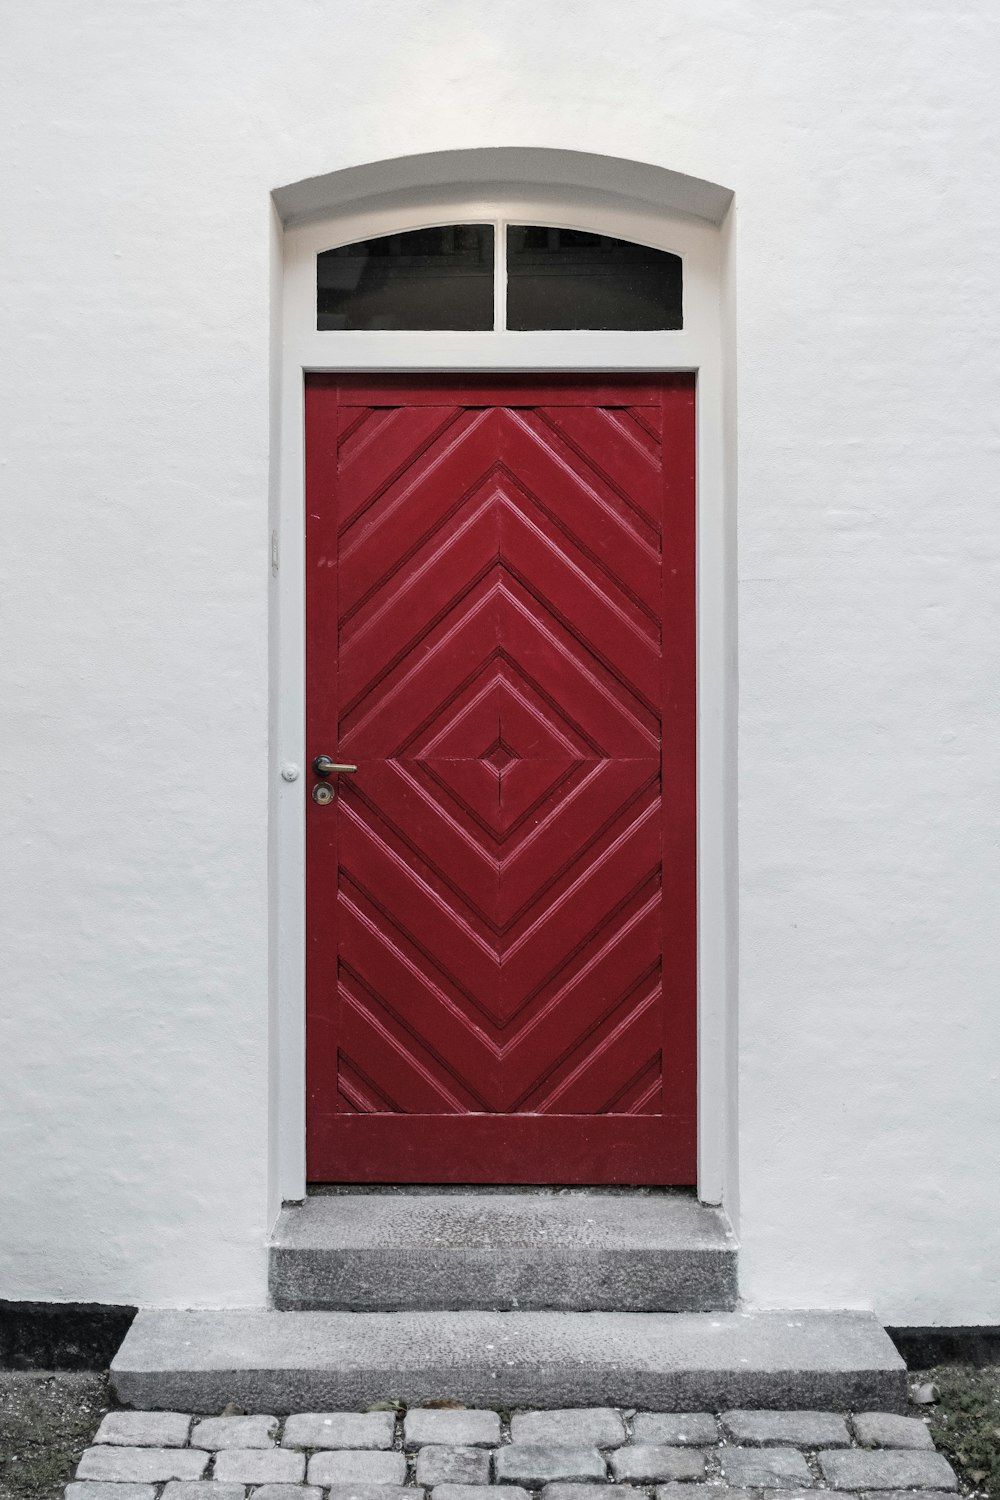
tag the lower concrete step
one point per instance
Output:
(327, 1361)
(582, 1250)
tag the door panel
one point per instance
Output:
(501, 901)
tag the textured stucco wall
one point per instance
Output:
(141, 143)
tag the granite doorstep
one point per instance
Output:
(338, 1361)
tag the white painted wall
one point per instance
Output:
(142, 143)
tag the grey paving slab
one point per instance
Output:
(141, 1465)
(469, 1429)
(474, 1492)
(536, 1464)
(145, 1429)
(796, 1429)
(883, 1429)
(97, 1489)
(696, 1429)
(764, 1468)
(301, 1361)
(577, 1250)
(203, 1489)
(448, 1464)
(599, 1427)
(357, 1466)
(887, 1469)
(260, 1466)
(235, 1432)
(339, 1429)
(647, 1463)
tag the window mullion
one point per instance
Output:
(500, 276)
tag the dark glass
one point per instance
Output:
(425, 278)
(568, 278)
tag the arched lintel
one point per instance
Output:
(401, 178)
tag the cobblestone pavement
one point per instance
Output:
(453, 1454)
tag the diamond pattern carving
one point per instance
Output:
(500, 683)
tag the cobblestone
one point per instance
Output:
(340, 1429)
(234, 1432)
(141, 1465)
(549, 1455)
(373, 1492)
(582, 1492)
(145, 1429)
(202, 1489)
(260, 1466)
(536, 1464)
(765, 1468)
(646, 1464)
(884, 1429)
(449, 1465)
(597, 1427)
(697, 1429)
(287, 1492)
(465, 1429)
(358, 1466)
(103, 1490)
(895, 1495)
(887, 1469)
(792, 1429)
(474, 1492)
(717, 1492)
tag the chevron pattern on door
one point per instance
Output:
(501, 912)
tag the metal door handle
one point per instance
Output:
(324, 766)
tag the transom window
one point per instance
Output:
(448, 277)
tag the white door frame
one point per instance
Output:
(698, 348)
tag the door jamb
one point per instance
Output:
(699, 348)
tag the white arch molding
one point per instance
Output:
(627, 200)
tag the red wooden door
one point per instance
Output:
(501, 901)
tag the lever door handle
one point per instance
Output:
(324, 766)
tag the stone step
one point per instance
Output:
(582, 1250)
(281, 1362)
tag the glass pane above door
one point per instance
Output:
(570, 278)
(439, 278)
